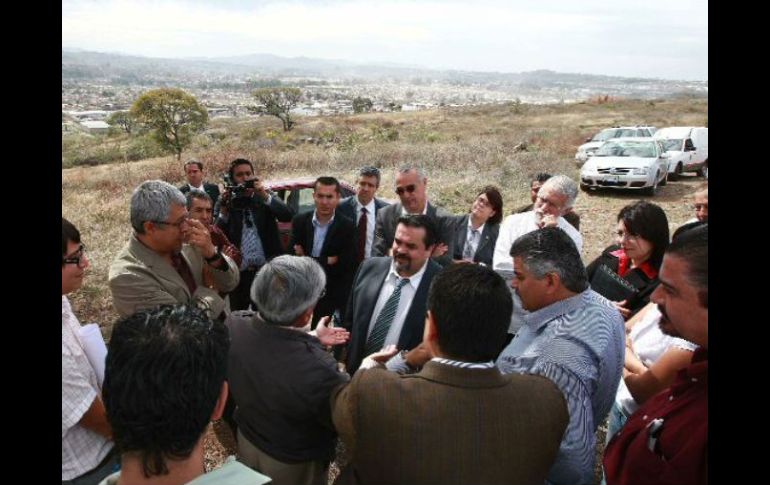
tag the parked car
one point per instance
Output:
(298, 194)
(592, 144)
(687, 148)
(627, 163)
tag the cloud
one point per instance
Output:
(483, 34)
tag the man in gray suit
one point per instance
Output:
(387, 302)
(363, 209)
(163, 261)
(411, 185)
(459, 420)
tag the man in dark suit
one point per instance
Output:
(193, 170)
(248, 219)
(387, 301)
(411, 184)
(362, 209)
(459, 420)
(329, 239)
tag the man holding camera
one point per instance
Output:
(247, 215)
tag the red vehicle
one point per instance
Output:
(297, 193)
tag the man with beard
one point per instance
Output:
(388, 301)
(163, 261)
(666, 440)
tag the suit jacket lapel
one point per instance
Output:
(484, 237)
(161, 268)
(462, 235)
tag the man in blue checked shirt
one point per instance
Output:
(571, 335)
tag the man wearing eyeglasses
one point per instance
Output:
(88, 453)
(411, 186)
(248, 218)
(163, 261)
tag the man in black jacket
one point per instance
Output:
(329, 238)
(193, 170)
(248, 214)
(281, 377)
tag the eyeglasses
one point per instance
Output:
(177, 224)
(483, 202)
(78, 257)
(409, 188)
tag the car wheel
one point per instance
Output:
(651, 190)
(584, 187)
(677, 173)
(704, 170)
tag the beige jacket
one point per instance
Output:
(140, 279)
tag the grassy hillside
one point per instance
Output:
(461, 149)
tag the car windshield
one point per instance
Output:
(645, 149)
(673, 145)
(611, 133)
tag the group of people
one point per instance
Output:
(439, 348)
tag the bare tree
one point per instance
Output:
(277, 102)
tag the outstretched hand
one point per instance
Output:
(331, 335)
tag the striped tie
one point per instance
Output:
(384, 319)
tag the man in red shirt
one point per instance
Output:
(666, 440)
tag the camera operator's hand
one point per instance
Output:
(224, 202)
(260, 190)
(198, 235)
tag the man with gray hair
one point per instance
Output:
(163, 261)
(573, 336)
(411, 187)
(281, 377)
(554, 199)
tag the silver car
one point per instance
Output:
(627, 163)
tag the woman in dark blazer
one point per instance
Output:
(627, 272)
(483, 221)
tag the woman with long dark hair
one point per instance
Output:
(627, 272)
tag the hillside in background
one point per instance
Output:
(245, 73)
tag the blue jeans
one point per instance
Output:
(618, 419)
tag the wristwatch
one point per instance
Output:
(217, 255)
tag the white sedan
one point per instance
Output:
(627, 163)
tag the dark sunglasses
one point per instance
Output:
(409, 188)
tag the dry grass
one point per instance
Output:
(460, 149)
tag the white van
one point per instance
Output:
(688, 149)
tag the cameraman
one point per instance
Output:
(247, 215)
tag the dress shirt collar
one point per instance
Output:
(463, 364)
(537, 319)
(317, 223)
(370, 207)
(414, 280)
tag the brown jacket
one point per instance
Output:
(448, 425)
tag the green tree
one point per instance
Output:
(173, 115)
(277, 102)
(123, 120)
(362, 105)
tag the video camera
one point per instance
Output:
(239, 198)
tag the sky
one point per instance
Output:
(651, 38)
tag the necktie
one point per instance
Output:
(384, 319)
(468, 250)
(362, 223)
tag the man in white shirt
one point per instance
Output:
(388, 301)
(88, 453)
(554, 199)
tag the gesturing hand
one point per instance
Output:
(331, 335)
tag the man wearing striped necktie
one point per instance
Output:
(387, 302)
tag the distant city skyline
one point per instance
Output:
(651, 39)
